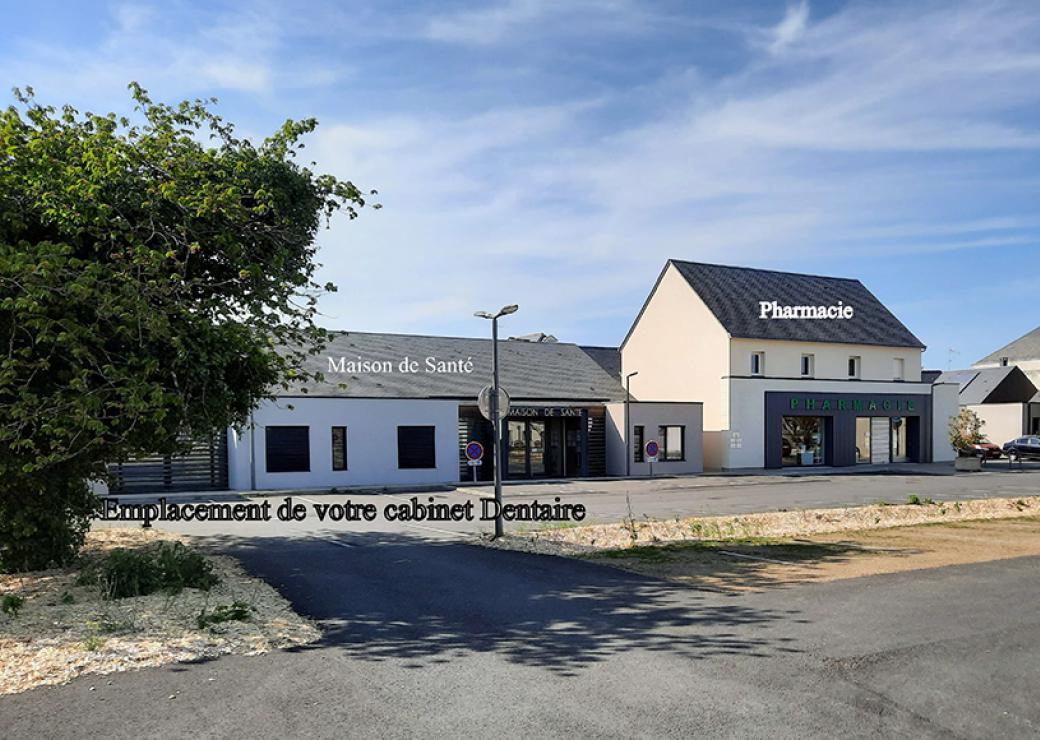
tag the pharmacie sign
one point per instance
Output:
(808, 403)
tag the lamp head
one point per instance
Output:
(483, 315)
(512, 308)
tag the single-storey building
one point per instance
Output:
(1003, 388)
(1024, 354)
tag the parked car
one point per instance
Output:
(987, 451)
(1023, 448)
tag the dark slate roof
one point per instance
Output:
(608, 358)
(529, 371)
(733, 294)
(930, 376)
(990, 385)
(1026, 347)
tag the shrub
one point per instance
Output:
(43, 520)
(11, 605)
(171, 567)
(237, 611)
(182, 567)
(966, 430)
(914, 499)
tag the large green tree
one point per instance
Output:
(156, 281)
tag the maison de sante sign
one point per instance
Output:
(405, 366)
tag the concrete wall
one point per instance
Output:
(371, 442)
(1003, 421)
(742, 445)
(650, 416)
(679, 349)
(945, 407)
(784, 359)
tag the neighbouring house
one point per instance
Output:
(1002, 379)
(1001, 397)
(793, 369)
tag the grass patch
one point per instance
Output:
(237, 611)
(169, 567)
(783, 549)
(11, 605)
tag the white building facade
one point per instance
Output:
(839, 385)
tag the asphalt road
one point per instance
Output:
(438, 638)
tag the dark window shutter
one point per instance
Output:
(288, 449)
(339, 448)
(416, 447)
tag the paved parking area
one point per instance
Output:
(659, 498)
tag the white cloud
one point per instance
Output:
(791, 28)
(899, 114)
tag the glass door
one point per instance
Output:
(536, 447)
(899, 451)
(517, 464)
(863, 439)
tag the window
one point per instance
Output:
(416, 447)
(339, 448)
(808, 365)
(854, 363)
(638, 435)
(899, 369)
(758, 363)
(803, 441)
(673, 443)
(1003, 362)
(288, 449)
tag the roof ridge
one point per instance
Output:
(341, 332)
(765, 269)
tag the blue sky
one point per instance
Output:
(555, 154)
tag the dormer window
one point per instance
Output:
(1003, 362)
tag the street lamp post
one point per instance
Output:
(496, 421)
(628, 425)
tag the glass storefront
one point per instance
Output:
(803, 441)
(540, 448)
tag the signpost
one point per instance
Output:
(485, 399)
(474, 456)
(651, 450)
(496, 405)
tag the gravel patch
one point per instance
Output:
(64, 630)
(588, 540)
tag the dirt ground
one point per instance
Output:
(776, 549)
(754, 564)
(64, 629)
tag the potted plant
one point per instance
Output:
(965, 432)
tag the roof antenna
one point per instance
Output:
(950, 353)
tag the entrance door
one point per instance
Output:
(536, 447)
(899, 446)
(863, 439)
(517, 465)
(530, 449)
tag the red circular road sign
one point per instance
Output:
(474, 451)
(652, 448)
